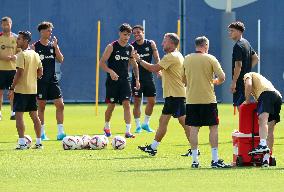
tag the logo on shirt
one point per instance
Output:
(51, 50)
(118, 57)
(147, 49)
(127, 52)
(144, 55)
(42, 57)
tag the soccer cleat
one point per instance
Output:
(189, 153)
(148, 149)
(129, 135)
(13, 117)
(195, 164)
(60, 136)
(37, 146)
(147, 128)
(21, 147)
(265, 164)
(220, 164)
(260, 150)
(138, 130)
(107, 132)
(44, 137)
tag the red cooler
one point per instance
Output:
(248, 119)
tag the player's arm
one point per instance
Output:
(254, 60)
(59, 56)
(237, 71)
(248, 89)
(135, 68)
(103, 60)
(39, 72)
(155, 52)
(16, 79)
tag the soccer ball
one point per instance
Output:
(29, 140)
(105, 139)
(79, 142)
(69, 143)
(86, 139)
(97, 142)
(118, 142)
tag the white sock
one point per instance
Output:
(0, 113)
(262, 142)
(38, 141)
(194, 155)
(60, 128)
(137, 121)
(22, 141)
(107, 125)
(155, 145)
(42, 129)
(266, 157)
(12, 113)
(128, 127)
(214, 152)
(147, 119)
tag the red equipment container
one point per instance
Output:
(248, 119)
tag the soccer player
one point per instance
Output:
(268, 109)
(24, 89)
(173, 89)
(115, 61)
(48, 87)
(201, 104)
(8, 51)
(147, 50)
(243, 59)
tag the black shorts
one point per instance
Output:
(174, 106)
(6, 78)
(239, 95)
(146, 87)
(48, 91)
(199, 115)
(270, 102)
(24, 102)
(117, 91)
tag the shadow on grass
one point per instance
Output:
(153, 170)
(123, 158)
(227, 142)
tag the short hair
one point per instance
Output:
(138, 27)
(237, 25)
(44, 25)
(125, 27)
(201, 41)
(26, 35)
(6, 19)
(173, 37)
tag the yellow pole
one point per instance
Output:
(98, 66)
(178, 31)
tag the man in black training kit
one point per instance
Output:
(147, 50)
(48, 87)
(243, 59)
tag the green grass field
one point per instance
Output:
(53, 169)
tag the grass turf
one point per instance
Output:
(53, 169)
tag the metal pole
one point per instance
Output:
(258, 44)
(183, 26)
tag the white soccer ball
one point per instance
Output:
(118, 142)
(79, 142)
(105, 139)
(97, 142)
(86, 139)
(69, 143)
(29, 140)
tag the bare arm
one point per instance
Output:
(248, 89)
(254, 60)
(155, 52)
(237, 71)
(39, 72)
(59, 55)
(103, 60)
(17, 76)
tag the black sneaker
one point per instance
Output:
(265, 164)
(189, 153)
(21, 147)
(148, 149)
(194, 165)
(220, 164)
(37, 146)
(259, 150)
(13, 117)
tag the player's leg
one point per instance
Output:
(149, 92)
(194, 145)
(137, 113)
(10, 76)
(41, 110)
(127, 118)
(108, 114)
(59, 104)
